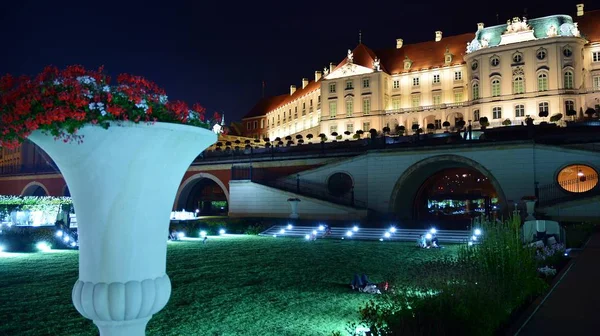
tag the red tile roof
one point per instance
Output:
(589, 25)
(362, 56)
(425, 55)
(264, 105)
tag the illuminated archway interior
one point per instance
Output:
(204, 195)
(35, 190)
(577, 178)
(456, 194)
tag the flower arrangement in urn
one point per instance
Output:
(62, 101)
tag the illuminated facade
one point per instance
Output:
(539, 68)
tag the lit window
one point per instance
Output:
(416, 81)
(350, 128)
(518, 86)
(332, 109)
(366, 83)
(395, 103)
(596, 82)
(436, 79)
(437, 99)
(476, 115)
(366, 105)
(366, 126)
(416, 101)
(476, 90)
(332, 129)
(596, 56)
(577, 178)
(438, 123)
(568, 79)
(349, 107)
(543, 82)
(497, 112)
(520, 111)
(396, 84)
(457, 75)
(331, 87)
(458, 96)
(495, 87)
(349, 85)
(262, 123)
(569, 105)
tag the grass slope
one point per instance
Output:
(242, 285)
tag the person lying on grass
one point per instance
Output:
(362, 284)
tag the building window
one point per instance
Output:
(520, 111)
(567, 52)
(332, 129)
(349, 107)
(436, 79)
(396, 84)
(458, 96)
(543, 82)
(577, 178)
(395, 103)
(495, 61)
(262, 123)
(416, 81)
(332, 109)
(437, 99)
(569, 105)
(518, 86)
(517, 58)
(568, 79)
(350, 128)
(366, 105)
(248, 126)
(416, 101)
(476, 90)
(366, 83)
(495, 87)
(541, 54)
(349, 85)
(457, 75)
(474, 65)
(497, 112)
(596, 56)
(596, 82)
(476, 115)
(366, 126)
(543, 108)
(331, 87)
(438, 123)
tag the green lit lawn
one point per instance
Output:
(243, 285)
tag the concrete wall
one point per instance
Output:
(250, 199)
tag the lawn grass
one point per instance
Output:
(234, 285)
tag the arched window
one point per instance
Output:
(518, 85)
(577, 178)
(519, 111)
(542, 81)
(543, 110)
(475, 90)
(496, 87)
(497, 112)
(568, 78)
(476, 115)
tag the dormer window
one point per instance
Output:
(349, 85)
(416, 81)
(407, 63)
(447, 57)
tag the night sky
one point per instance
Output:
(218, 53)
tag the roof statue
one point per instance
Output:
(325, 71)
(350, 56)
(517, 25)
(376, 64)
(551, 31)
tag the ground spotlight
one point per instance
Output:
(73, 244)
(470, 243)
(433, 231)
(59, 233)
(274, 236)
(355, 228)
(315, 232)
(282, 231)
(349, 233)
(202, 234)
(393, 229)
(321, 228)
(289, 227)
(477, 232)
(43, 246)
(307, 237)
(474, 238)
(380, 239)
(222, 231)
(387, 235)
(66, 239)
(180, 235)
(428, 236)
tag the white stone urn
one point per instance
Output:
(123, 181)
(530, 207)
(294, 205)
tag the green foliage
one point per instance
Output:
(472, 294)
(46, 204)
(213, 225)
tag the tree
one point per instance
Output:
(267, 139)
(400, 129)
(415, 127)
(289, 143)
(288, 138)
(506, 122)
(247, 141)
(446, 124)
(347, 133)
(430, 127)
(300, 141)
(543, 114)
(483, 122)
(460, 124)
(556, 117)
(309, 136)
(228, 143)
(323, 137)
(360, 133)
(590, 112)
(334, 135)
(571, 113)
(373, 133)
(277, 139)
(386, 130)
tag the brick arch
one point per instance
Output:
(188, 184)
(30, 188)
(408, 184)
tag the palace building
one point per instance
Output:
(499, 75)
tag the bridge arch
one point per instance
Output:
(195, 192)
(35, 189)
(409, 186)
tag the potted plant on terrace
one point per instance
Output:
(123, 150)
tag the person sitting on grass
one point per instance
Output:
(422, 241)
(434, 241)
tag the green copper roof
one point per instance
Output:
(540, 27)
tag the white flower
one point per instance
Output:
(57, 82)
(192, 115)
(163, 99)
(92, 106)
(102, 113)
(106, 88)
(86, 80)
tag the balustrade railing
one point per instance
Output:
(568, 190)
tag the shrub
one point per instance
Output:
(474, 296)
